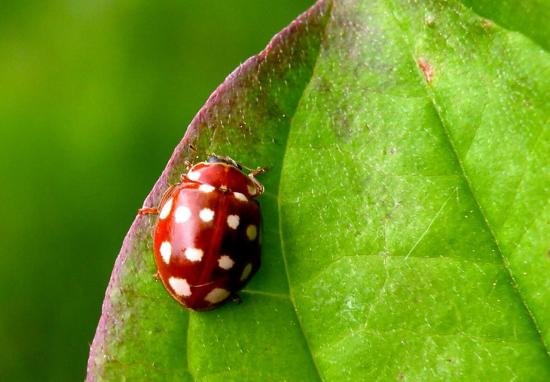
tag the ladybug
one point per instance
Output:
(207, 238)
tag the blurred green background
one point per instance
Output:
(94, 96)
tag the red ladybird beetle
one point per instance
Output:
(206, 241)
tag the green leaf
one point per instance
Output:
(407, 212)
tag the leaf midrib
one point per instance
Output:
(464, 175)
(284, 150)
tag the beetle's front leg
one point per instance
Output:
(148, 211)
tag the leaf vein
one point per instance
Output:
(529, 158)
(285, 147)
(266, 294)
(462, 334)
(427, 230)
(436, 108)
(326, 267)
(490, 229)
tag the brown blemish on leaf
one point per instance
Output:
(486, 24)
(427, 69)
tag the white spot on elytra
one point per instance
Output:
(166, 251)
(246, 271)
(225, 262)
(251, 189)
(240, 197)
(251, 232)
(194, 254)
(180, 286)
(206, 188)
(166, 209)
(216, 295)
(193, 175)
(233, 221)
(206, 215)
(183, 213)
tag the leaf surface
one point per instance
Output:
(406, 216)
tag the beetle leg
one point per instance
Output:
(237, 299)
(154, 210)
(258, 171)
(148, 211)
(156, 276)
(258, 185)
(167, 193)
